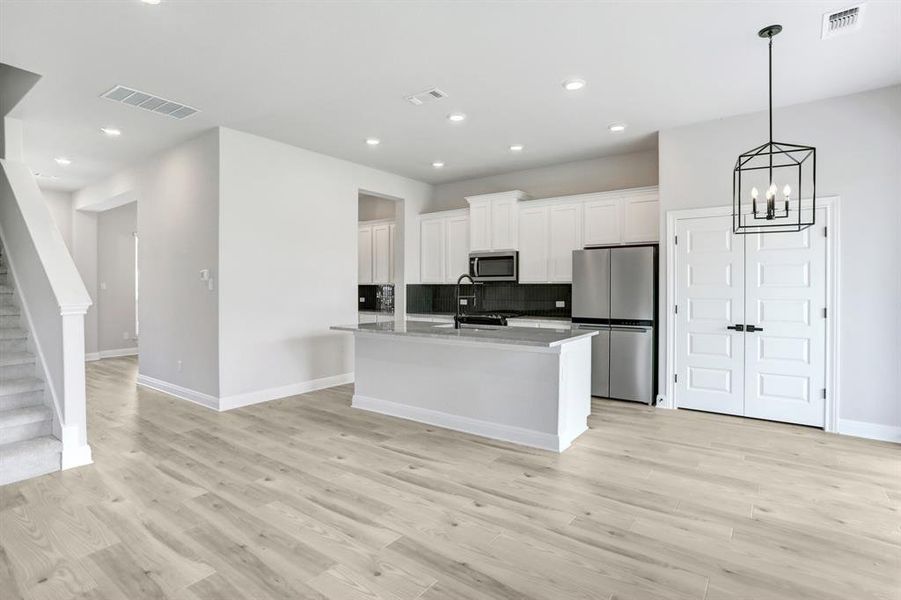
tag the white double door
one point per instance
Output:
(773, 286)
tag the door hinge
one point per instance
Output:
(824, 393)
(825, 312)
(675, 377)
(676, 309)
(676, 240)
(826, 231)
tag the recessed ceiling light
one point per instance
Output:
(516, 148)
(617, 127)
(111, 131)
(438, 164)
(572, 85)
(456, 117)
(150, 1)
(373, 141)
(60, 160)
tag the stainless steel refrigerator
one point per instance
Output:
(615, 292)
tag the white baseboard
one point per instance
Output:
(873, 431)
(508, 433)
(118, 352)
(76, 457)
(115, 353)
(179, 392)
(255, 397)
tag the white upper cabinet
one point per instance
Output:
(533, 244)
(381, 253)
(480, 226)
(364, 255)
(641, 218)
(444, 246)
(393, 252)
(375, 252)
(457, 247)
(564, 236)
(493, 220)
(602, 221)
(431, 255)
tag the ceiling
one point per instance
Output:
(327, 75)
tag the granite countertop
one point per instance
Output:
(513, 336)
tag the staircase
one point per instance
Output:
(27, 445)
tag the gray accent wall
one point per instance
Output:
(616, 172)
(858, 142)
(116, 278)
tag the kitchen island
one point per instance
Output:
(528, 386)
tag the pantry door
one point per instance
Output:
(710, 276)
(785, 296)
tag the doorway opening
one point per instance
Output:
(380, 257)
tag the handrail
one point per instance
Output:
(54, 301)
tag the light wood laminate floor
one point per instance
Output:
(307, 498)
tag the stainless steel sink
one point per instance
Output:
(466, 327)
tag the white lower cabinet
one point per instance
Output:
(444, 246)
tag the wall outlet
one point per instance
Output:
(178, 365)
(125, 335)
(102, 285)
(560, 303)
(464, 301)
(362, 300)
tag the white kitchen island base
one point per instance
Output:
(512, 390)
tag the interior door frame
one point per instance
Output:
(833, 254)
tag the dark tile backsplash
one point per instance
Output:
(375, 297)
(537, 300)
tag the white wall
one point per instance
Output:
(60, 205)
(178, 195)
(116, 278)
(84, 253)
(595, 175)
(288, 259)
(371, 208)
(858, 142)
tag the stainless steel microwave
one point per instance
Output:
(494, 266)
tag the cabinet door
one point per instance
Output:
(564, 236)
(533, 248)
(503, 224)
(391, 251)
(602, 222)
(641, 219)
(381, 253)
(364, 255)
(480, 226)
(431, 253)
(457, 248)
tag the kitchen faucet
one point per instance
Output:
(457, 314)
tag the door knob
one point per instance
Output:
(753, 328)
(738, 327)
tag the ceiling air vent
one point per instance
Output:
(149, 102)
(842, 21)
(426, 96)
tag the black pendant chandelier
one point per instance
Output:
(783, 171)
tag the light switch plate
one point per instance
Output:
(560, 304)
(464, 301)
(362, 300)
